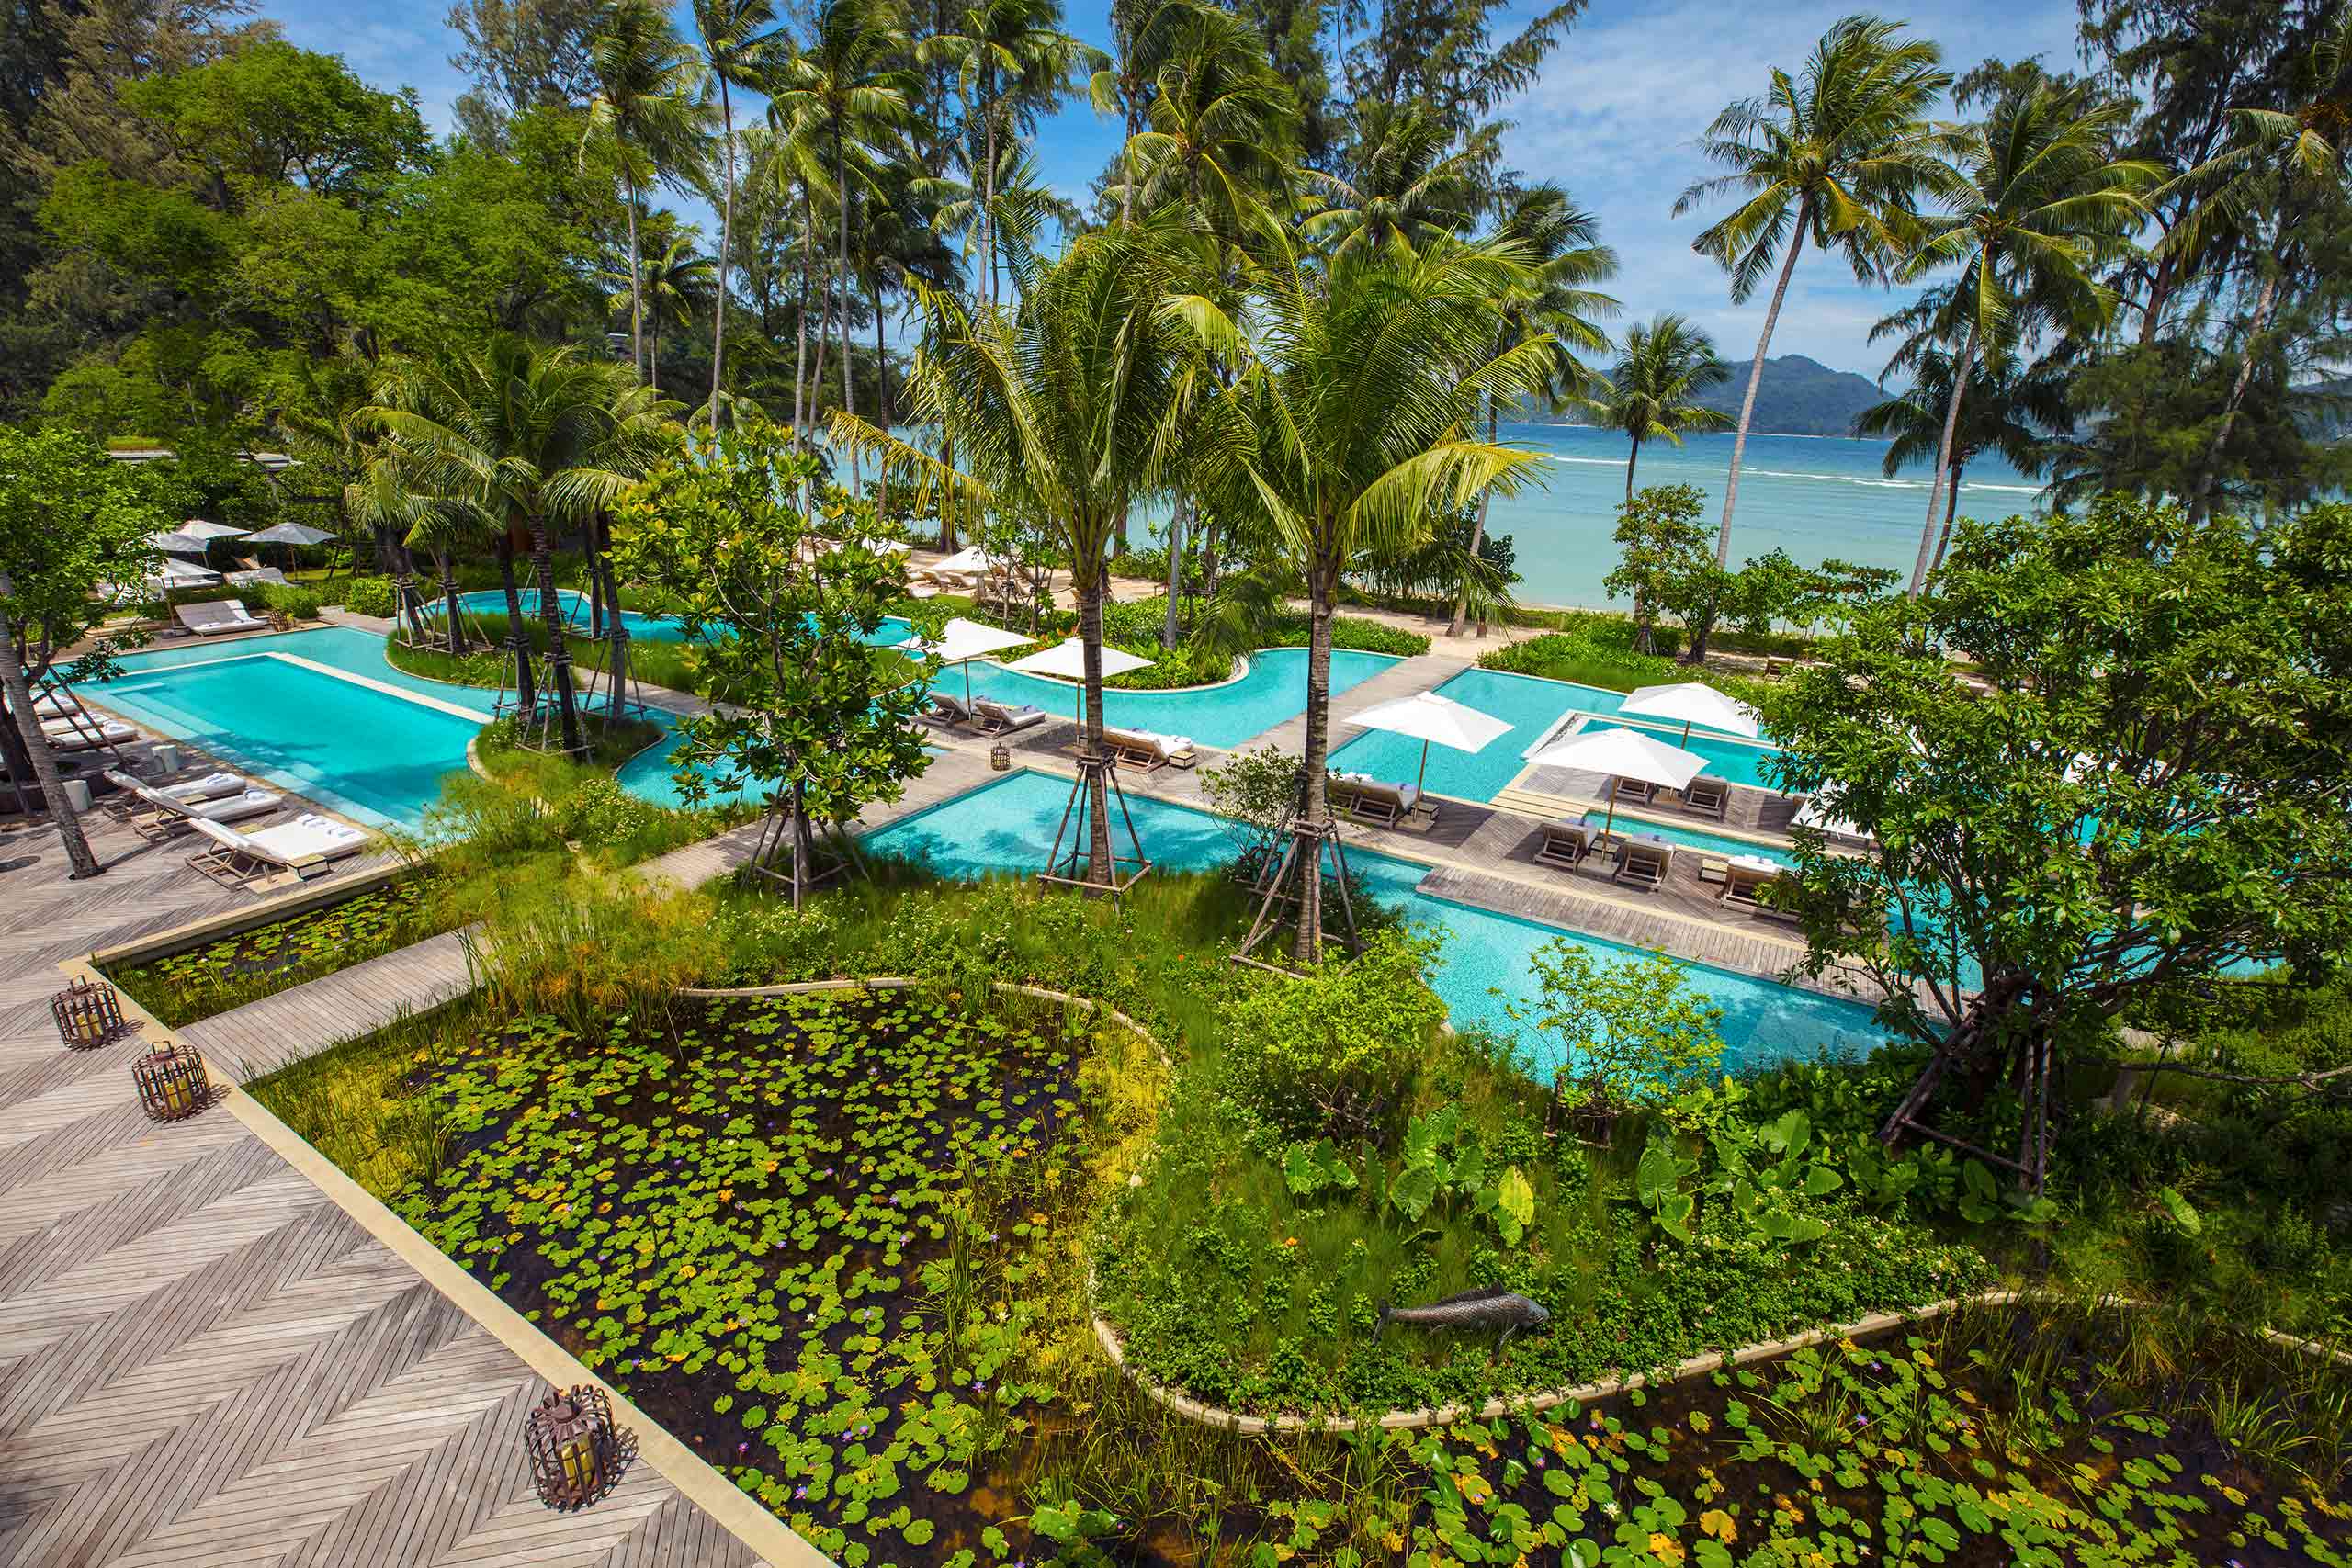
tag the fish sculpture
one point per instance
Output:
(1488, 1306)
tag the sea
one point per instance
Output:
(1820, 497)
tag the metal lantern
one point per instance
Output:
(171, 1082)
(88, 1013)
(1001, 757)
(569, 1441)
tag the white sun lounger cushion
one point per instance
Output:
(67, 735)
(306, 839)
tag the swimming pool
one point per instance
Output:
(316, 713)
(1531, 705)
(1007, 827)
(642, 627)
(1738, 761)
(1272, 692)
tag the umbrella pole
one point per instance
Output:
(1611, 820)
(1425, 768)
(1686, 731)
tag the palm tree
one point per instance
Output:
(1358, 376)
(673, 284)
(1009, 55)
(847, 91)
(2033, 202)
(1649, 393)
(1835, 155)
(1411, 185)
(529, 438)
(2010, 411)
(1061, 409)
(2280, 163)
(1219, 118)
(648, 109)
(739, 40)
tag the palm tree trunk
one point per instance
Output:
(404, 585)
(518, 630)
(1478, 538)
(636, 275)
(1175, 565)
(44, 760)
(1088, 578)
(841, 264)
(1633, 457)
(726, 234)
(1756, 379)
(1323, 586)
(881, 407)
(801, 349)
(558, 645)
(2210, 470)
(616, 624)
(1943, 458)
(987, 207)
(449, 605)
(1952, 510)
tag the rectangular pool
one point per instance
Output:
(1007, 827)
(1531, 706)
(1271, 691)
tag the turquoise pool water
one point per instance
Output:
(1532, 706)
(1692, 838)
(641, 627)
(1008, 827)
(376, 756)
(1271, 693)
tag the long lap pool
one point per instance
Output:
(1271, 691)
(1007, 827)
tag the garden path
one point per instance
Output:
(203, 1359)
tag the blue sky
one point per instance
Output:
(1615, 117)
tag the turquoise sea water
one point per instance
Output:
(376, 756)
(1273, 691)
(1007, 827)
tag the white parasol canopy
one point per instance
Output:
(1624, 753)
(183, 574)
(961, 641)
(199, 528)
(970, 559)
(1065, 660)
(180, 542)
(290, 534)
(1694, 702)
(1425, 716)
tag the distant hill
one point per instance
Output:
(1798, 397)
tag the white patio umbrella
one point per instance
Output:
(1425, 716)
(198, 527)
(1065, 660)
(186, 574)
(1624, 753)
(1694, 702)
(179, 542)
(970, 559)
(290, 534)
(961, 641)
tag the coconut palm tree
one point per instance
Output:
(1834, 155)
(648, 111)
(2011, 410)
(1219, 119)
(530, 439)
(1411, 185)
(740, 39)
(2033, 202)
(2281, 165)
(1359, 377)
(1059, 408)
(1650, 393)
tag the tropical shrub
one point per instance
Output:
(368, 596)
(1631, 1033)
(1333, 1050)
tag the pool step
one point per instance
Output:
(1540, 806)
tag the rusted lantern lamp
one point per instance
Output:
(171, 1082)
(1001, 757)
(570, 1443)
(88, 1013)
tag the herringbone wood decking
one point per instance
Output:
(205, 1361)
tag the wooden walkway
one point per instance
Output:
(204, 1360)
(260, 1037)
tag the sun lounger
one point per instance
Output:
(274, 856)
(1003, 718)
(1706, 797)
(257, 574)
(948, 710)
(1368, 799)
(218, 617)
(1643, 865)
(1145, 750)
(169, 815)
(1748, 887)
(87, 733)
(1637, 791)
(1565, 845)
(211, 786)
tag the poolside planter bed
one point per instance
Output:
(217, 964)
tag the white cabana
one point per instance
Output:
(1694, 702)
(1427, 718)
(1619, 752)
(961, 641)
(1065, 660)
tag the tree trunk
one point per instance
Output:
(1756, 379)
(1943, 456)
(636, 275)
(987, 207)
(2212, 468)
(947, 502)
(616, 623)
(800, 348)
(518, 630)
(44, 762)
(1168, 632)
(1952, 510)
(558, 645)
(1633, 457)
(1088, 578)
(449, 603)
(881, 411)
(725, 235)
(1323, 588)
(1478, 536)
(404, 584)
(849, 376)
